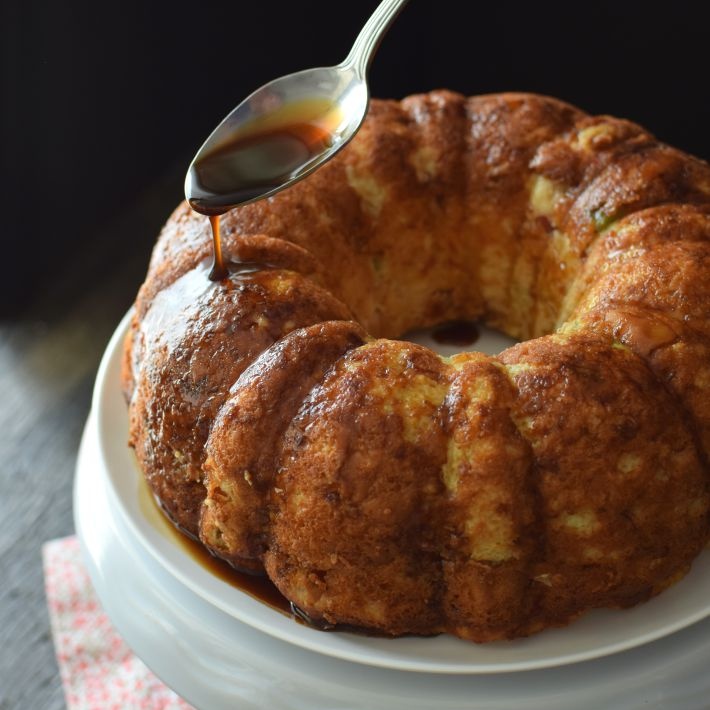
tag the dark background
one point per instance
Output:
(105, 103)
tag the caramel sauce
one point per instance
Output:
(460, 333)
(257, 586)
(219, 271)
(261, 156)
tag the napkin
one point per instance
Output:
(98, 670)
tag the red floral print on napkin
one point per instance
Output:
(98, 670)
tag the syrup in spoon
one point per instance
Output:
(284, 131)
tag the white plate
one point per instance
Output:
(597, 634)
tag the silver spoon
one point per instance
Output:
(287, 128)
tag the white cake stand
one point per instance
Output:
(215, 660)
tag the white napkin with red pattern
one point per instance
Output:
(98, 670)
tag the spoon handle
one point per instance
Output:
(371, 34)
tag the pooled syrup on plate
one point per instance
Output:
(260, 156)
(459, 332)
(258, 586)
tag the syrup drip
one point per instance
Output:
(258, 158)
(219, 271)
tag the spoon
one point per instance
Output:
(283, 131)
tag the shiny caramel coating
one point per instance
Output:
(244, 444)
(383, 487)
(648, 287)
(193, 344)
(490, 515)
(354, 527)
(622, 490)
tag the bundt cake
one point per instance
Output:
(384, 487)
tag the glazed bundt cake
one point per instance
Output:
(384, 487)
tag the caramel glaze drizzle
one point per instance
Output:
(219, 271)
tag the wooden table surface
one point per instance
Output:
(49, 355)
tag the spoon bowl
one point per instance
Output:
(279, 134)
(284, 130)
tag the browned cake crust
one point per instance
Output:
(382, 486)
